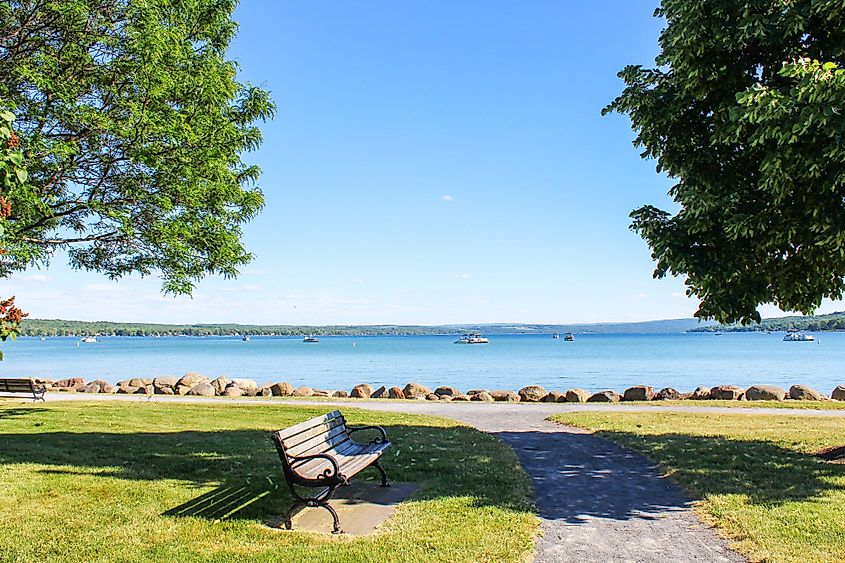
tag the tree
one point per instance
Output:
(132, 125)
(746, 110)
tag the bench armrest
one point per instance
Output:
(328, 473)
(377, 440)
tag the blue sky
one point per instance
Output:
(431, 162)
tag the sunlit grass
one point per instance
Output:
(98, 482)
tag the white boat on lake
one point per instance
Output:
(471, 339)
(310, 339)
(89, 340)
(795, 335)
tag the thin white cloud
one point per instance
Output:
(447, 198)
(678, 294)
(463, 276)
(35, 278)
(640, 296)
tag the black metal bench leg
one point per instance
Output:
(384, 482)
(296, 507)
(336, 529)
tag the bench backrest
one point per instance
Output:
(314, 436)
(16, 385)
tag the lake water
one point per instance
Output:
(593, 361)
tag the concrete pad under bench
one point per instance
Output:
(362, 506)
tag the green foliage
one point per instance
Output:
(132, 125)
(745, 109)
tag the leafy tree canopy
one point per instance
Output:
(131, 126)
(746, 110)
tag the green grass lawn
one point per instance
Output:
(812, 405)
(754, 475)
(110, 481)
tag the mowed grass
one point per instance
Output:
(120, 482)
(810, 405)
(754, 475)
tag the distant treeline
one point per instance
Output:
(813, 323)
(57, 327)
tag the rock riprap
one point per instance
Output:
(532, 394)
(608, 396)
(765, 393)
(638, 393)
(804, 393)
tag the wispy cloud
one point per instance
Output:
(35, 278)
(640, 296)
(463, 276)
(447, 198)
(679, 294)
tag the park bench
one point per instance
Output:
(23, 386)
(320, 454)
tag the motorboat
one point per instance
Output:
(311, 339)
(795, 335)
(555, 336)
(568, 337)
(471, 339)
(89, 340)
(245, 338)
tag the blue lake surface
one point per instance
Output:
(593, 361)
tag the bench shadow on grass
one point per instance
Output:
(244, 469)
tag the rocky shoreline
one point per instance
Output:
(197, 384)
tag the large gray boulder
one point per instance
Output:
(220, 384)
(163, 382)
(190, 379)
(448, 391)
(247, 385)
(202, 389)
(362, 391)
(415, 391)
(607, 396)
(93, 387)
(727, 393)
(232, 391)
(482, 396)
(838, 394)
(505, 396)
(127, 390)
(380, 393)
(700, 394)
(532, 394)
(281, 389)
(804, 393)
(554, 397)
(667, 394)
(638, 393)
(765, 393)
(577, 395)
(303, 392)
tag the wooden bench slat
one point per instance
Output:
(319, 444)
(308, 424)
(345, 458)
(22, 385)
(316, 432)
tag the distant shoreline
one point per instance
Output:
(59, 327)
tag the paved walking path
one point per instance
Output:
(597, 501)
